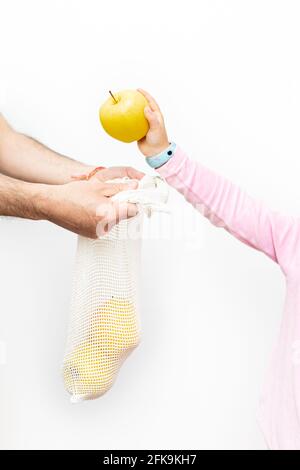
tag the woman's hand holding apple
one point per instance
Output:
(156, 139)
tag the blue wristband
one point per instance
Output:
(161, 158)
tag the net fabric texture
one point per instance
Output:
(104, 326)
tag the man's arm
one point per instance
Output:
(26, 159)
(20, 199)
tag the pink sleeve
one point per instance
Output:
(227, 206)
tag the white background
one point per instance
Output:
(227, 75)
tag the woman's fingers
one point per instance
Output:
(152, 118)
(152, 103)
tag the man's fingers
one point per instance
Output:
(112, 214)
(119, 172)
(134, 174)
(125, 210)
(152, 103)
(114, 188)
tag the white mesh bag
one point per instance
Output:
(104, 322)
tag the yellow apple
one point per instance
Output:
(122, 115)
(91, 368)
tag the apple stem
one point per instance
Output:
(113, 97)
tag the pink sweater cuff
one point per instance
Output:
(173, 165)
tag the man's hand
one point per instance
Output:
(84, 207)
(107, 174)
(156, 139)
